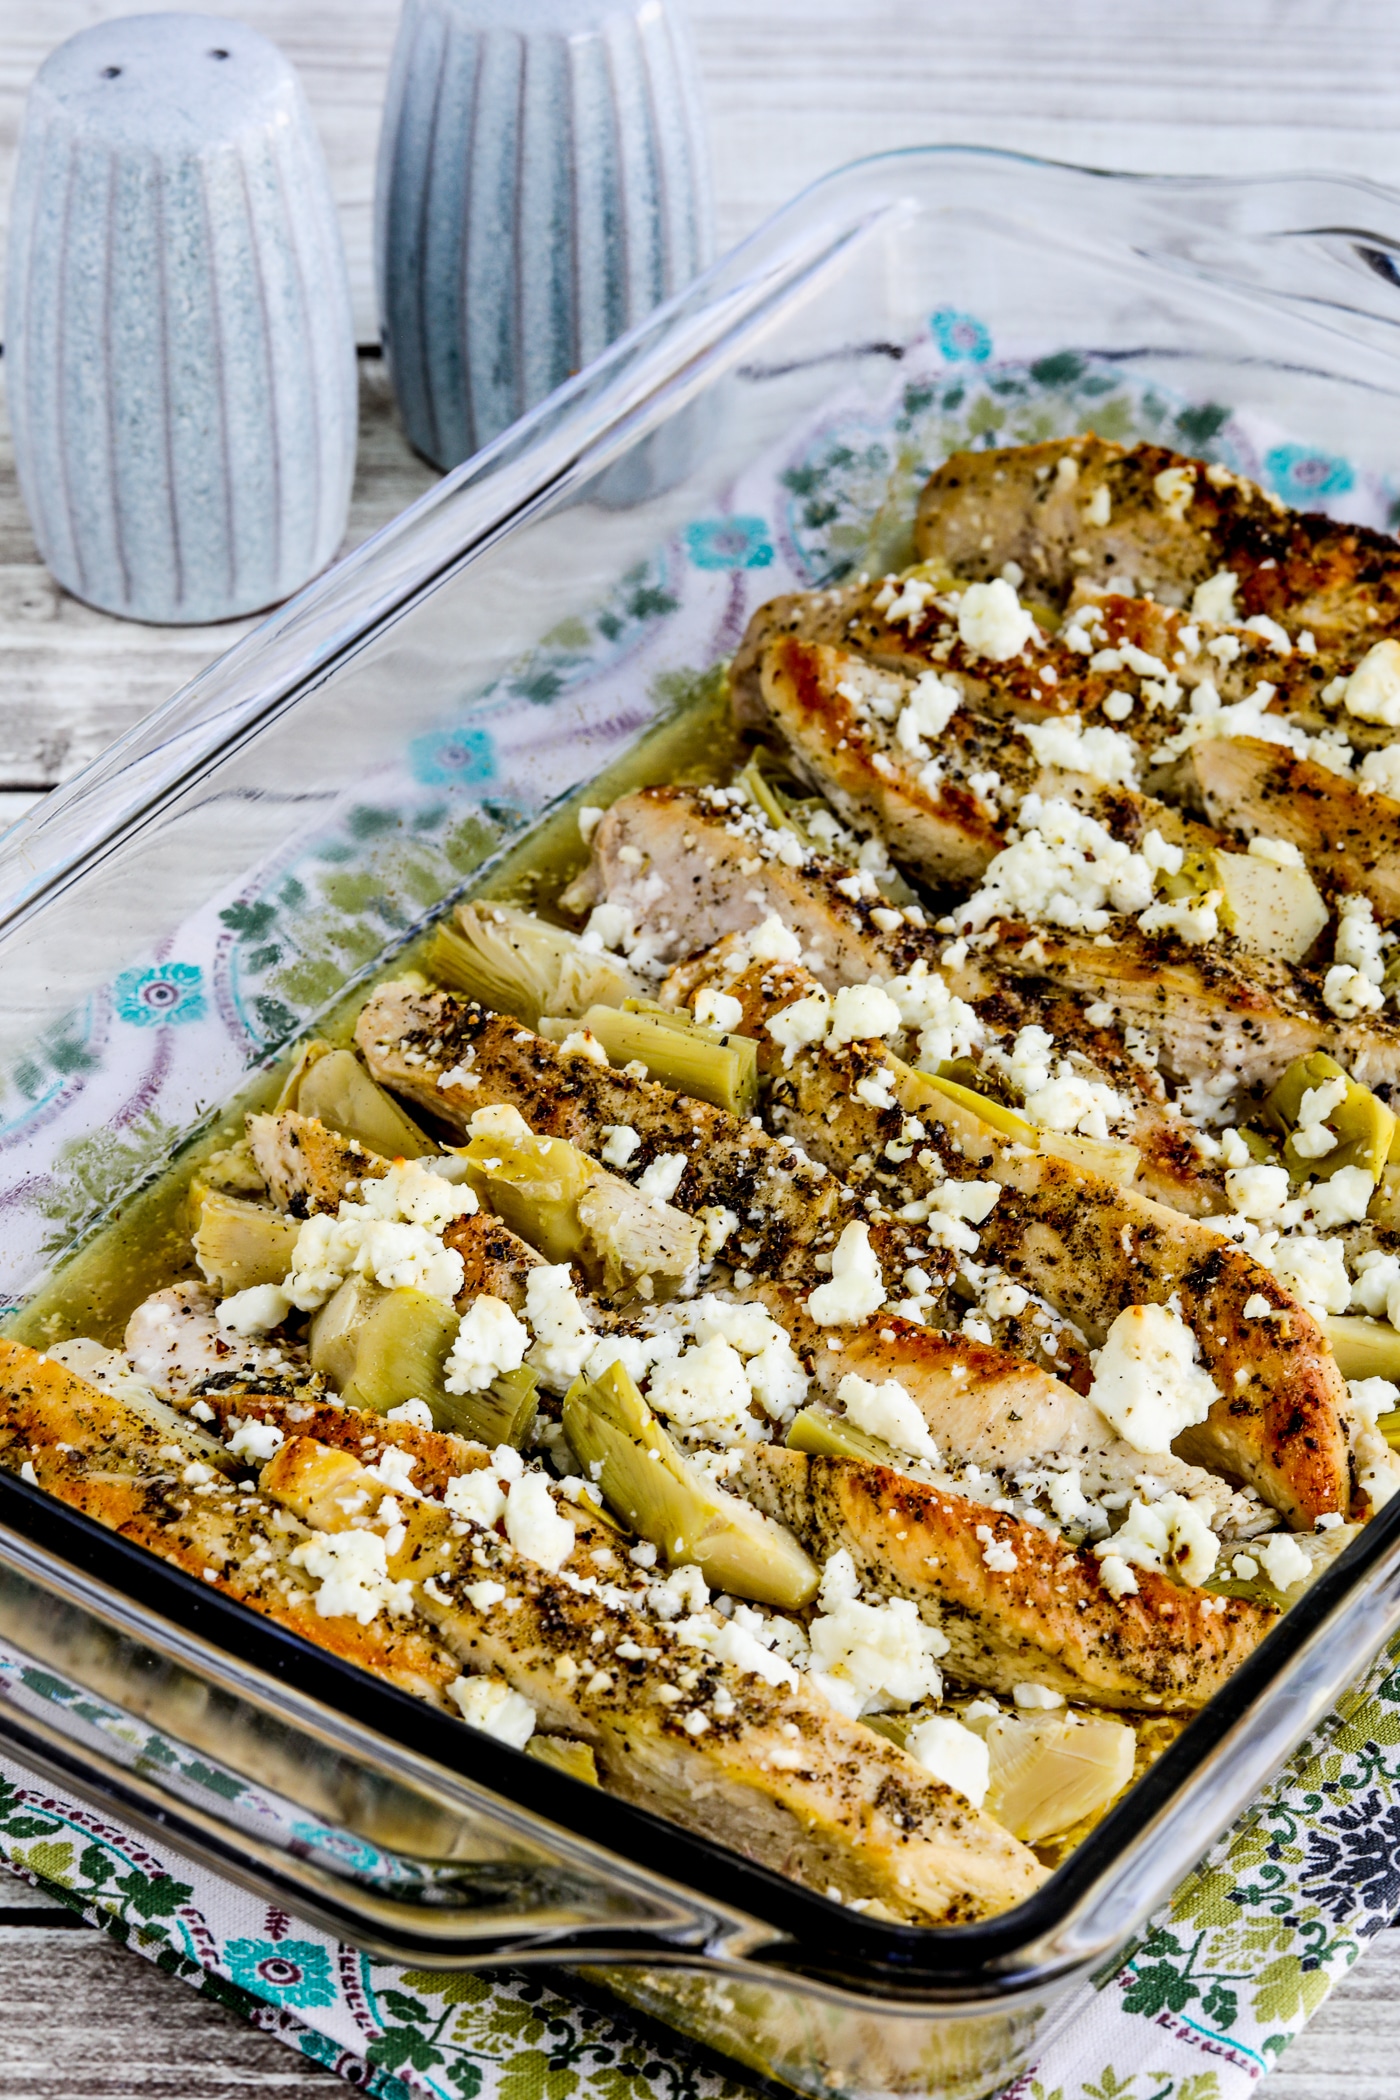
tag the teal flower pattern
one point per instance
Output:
(284, 1972)
(169, 996)
(729, 543)
(962, 338)
(458, 758)
(1303, 476)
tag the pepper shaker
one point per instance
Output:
(178, 335)
(543, 184)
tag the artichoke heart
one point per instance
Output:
(826, 1434)
(703, 1062)
(917, 1090)
(1272, 909)
(1365, 1128)
(238, 1244)
(514, 963)
(1113, 1158)
(670, 1501)
(554, 1196)
(1364, 1348)
(379, 1348)
(339, 1092)
(563, 1754)
(960, 1080)
(1051, 1771)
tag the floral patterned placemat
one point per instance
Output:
(1204, 2003)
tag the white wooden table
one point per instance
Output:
(794, 87)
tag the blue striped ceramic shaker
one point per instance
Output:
(543, 184)
(178, 340)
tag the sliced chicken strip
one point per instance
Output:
(1017, 1605)
(1172, 524)
(97, 1453)
(770, 1770)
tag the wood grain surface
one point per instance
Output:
(794, 88)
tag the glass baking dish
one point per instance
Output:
(269, 838)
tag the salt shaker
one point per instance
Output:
(178, 335)
(543, 184)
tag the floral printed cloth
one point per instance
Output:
(1203, 2003)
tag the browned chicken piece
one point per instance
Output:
(307, 1167)
(1090, 1248)
(1016, 1605)
(1348, 833)
(97, 1453)
(1172, 524)
(1172, 1168)
(946, 806)
(770, 1770)
(1217, 1012)
(790, 1212)
(437, 1455)
(718, 872)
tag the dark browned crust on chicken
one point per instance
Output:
(980, 510)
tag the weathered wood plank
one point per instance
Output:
(87, 2020)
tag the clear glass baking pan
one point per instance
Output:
(280, 829)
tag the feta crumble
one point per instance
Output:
(1214, 600)
(1103, 754)
(1372, 693)
(857, 1286)
(718, 1009)
(1148, 1381)
(257, 1310)
(490, 1704)
(992, 621)
(868, 1656)
(953, 1754)
(1064, 868)
(619, 1142)
(393, 1235)
(659, 1182)
(1172, 1534)
(560, 1323)
(535, 1527)
(351, 1568)
(490, 1340)
(886, 1410)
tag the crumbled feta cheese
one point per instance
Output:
(393, 1234)
(1098, 509)
(1064, 868)
(560, 1324)
(1118, 1578)
(1283, 1560)
(1343, 1199)
(1257, 1306)
(257, 1310)
(1314, 1270)
(416, 1413)
(705, 1392)
(1036, 1698)
(947, 1026)
(351, 1568)
(257, 1440)
(1148, 1381)
(887, 1411)
(619, 1143)
(804, 1022)
(490, 1704)
(581, 1042)
(1056, 1097)
(953, 1754)
(484, 1596)
(857, 1286)
(1174, 488)
(1381, 770)
(1348, 993)
(535, 1526)
(1282, 852)
(1251, 717)
(992, 621)
(659, 1182)
(490, 1340)
(1258, 1191)
(865, 1656)
(1376, 1289)
(862, 1013)
(1270, 631)
(1214, 600)
(930, 707)
(1372, 693)
(771, 942)
(1172, 1534)
(1103, 754)
(718, 1009)
(476, 1497)
(999, 1555)
(1194, 919)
